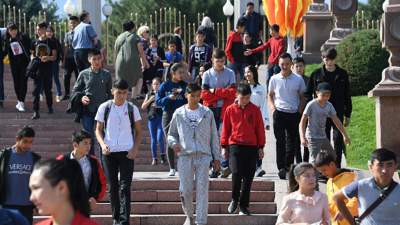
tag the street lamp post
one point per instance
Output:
(107, 10)
(228, 12)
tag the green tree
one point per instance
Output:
(31, 8)
(373, 9)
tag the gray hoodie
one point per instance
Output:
(203, 139)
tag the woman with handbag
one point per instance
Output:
(17, 47)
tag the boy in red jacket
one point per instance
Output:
(243, 132)
(276, 44)
(234, 49)
(95, 181)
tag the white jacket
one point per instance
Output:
(259, 98)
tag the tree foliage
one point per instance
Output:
(373, 9)
(31, 8)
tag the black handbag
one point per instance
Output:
(33, 68)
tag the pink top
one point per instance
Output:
(298, 208)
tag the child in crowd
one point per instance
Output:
(172, 55)
(171, 96)
(199, 53)
(298, 67)
(154, 115)
(304, 204)
(155, 57)
(234, 48)
(242, 141)
(338, 179)
(258, 98)
(248, 43)
(58, 190)
(194, 137)
(218, 93)
(203, 68)
(56, 64)
(276, 44)
(95, 181)
(314, 118)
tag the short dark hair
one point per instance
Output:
(94, 52)
(171, 42)
(243, 89)
(324, 158)
(329, 53)
(275, 27)
(250, 4)
(285, 55)
(75, 18)
(120, 84)
(12, 26)
(154, 36)
(83, 15)
(50, 29)
(192, 87)
(201, 32)
(382, 155)
(79, 136)
(297, 60)
(218, 53)
(43, 24)
(26, 132)
(128, 25)
(241, 22)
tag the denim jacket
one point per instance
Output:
(203, 139)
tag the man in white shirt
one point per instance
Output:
(118, 132)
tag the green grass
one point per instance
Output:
(310, 68)
(361, 132)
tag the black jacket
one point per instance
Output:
(4, 159)
(340, 97)
(75, 105)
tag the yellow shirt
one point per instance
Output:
(335, 184)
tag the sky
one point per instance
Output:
(61, 3)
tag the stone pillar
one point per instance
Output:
(318, 22)
(94, 9)
(240, 8)
(387, 92)
(343, 10)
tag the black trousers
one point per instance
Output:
(43, 82)
(26, 211)
(286, 131)
(81, 59)
(120, 190)
(18, 72)
(165, 120)
(70, 67)
(338, 142)
(242, 162)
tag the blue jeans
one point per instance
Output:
(1, 81)
(88, 122)
(238, 68)
(55, 70)
(157, 136)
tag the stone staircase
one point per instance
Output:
(155, 196)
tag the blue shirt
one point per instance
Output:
(19, 170)
(166, 89)
(173, 58)
(214, 79)
(367, 191)
(83, 36)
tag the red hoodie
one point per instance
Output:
(234, 47)
(243, 126)
(227, 94)
(277, 46)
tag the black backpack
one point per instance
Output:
(131, 115)
(33, 68)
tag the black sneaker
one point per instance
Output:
(214, 174)
(232, 207)
(35, 116)
(163, 161)
(65, 98)
(244, 211)
(282, 174)
(51, 110)
(1, 105)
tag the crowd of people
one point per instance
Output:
(206, 118)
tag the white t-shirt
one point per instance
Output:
(118, 135)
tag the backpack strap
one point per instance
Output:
(107, 113)
(131, 115)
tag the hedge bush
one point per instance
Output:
(362, 55)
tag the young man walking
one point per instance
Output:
(119, 134)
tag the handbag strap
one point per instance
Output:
(384, 194)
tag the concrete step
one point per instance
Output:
(213, 219)
(149, 208)
(174, 196)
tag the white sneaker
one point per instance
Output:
(172, 172)
(41, 97)
(20, 106)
